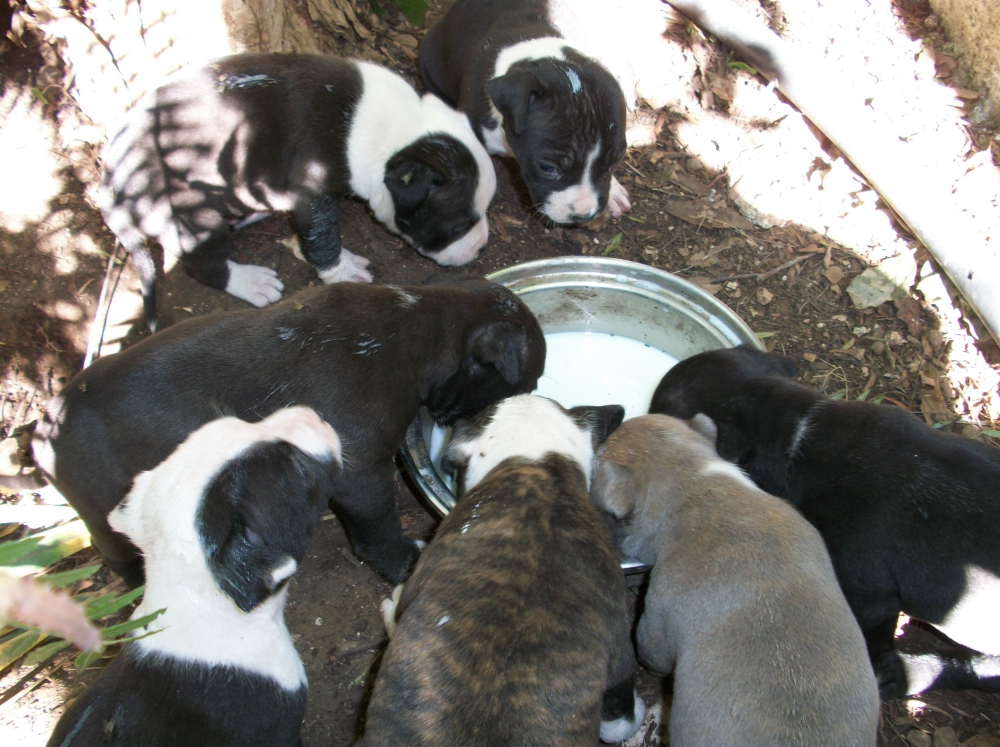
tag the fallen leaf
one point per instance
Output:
(705, 214)
(982, 740)
(3, 285)
(811, 357)
(613, 244)
(834, 274)
(764, 296)
(704, 282)
(687, 181)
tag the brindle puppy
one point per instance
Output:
(514, 626)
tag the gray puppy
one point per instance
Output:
(743, 604)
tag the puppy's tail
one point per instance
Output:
(954, 669)
(146, 269)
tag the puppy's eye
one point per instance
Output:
(550, 170)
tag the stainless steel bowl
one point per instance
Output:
(581, 294)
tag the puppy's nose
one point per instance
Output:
(582, 218)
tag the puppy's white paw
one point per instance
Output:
(420, 544)
(350, 269)
(623, 728)
(254, 284)
(388, 610)
(618, 199)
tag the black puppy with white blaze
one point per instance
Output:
(910, 515)
(219, 146)
(514, 627)
(529, 94)
(365, 357)
(223, 523)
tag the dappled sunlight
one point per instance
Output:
(31, 165)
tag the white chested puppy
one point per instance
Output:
(218, 146)
(222, 524)
(514, 627)
(743, 605)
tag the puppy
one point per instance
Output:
(531, 95)
(223, 523)
(514, 626)
(911, 516)
(743, 604)
(219, 146)
(364, 357)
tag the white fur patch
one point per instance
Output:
(283, 571)
(579, 200)
(257, 285)
(465, 249)
(530, 427)
(496, 139)
(623, 728)
(618, 201)
(390, 116)
(201, 623)
(718, 466)
(973, 620)
(350, 269)
(532, 49)
(800, 432)
(388, 610)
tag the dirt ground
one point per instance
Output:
(787, 283)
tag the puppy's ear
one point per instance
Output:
(704, 425)
(504, 346)
(410, 182)
(257, 516)
(600, 421)
(512, 95)
(613, 489)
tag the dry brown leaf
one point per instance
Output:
(834, 274)
(704, 282)
(688, 182)
(705, 214)
(406, 40)
(982, 740)
(764, 296)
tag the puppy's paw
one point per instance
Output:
(618, 199)
(625, 726)
(388, 610)
(254, 284)
(350, 269)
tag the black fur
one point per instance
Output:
(550, 129)
(365, 358)
(903, 508)
(143, 700)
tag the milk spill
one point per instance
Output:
(584, 368)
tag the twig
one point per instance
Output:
(359, 649)
(762, 276)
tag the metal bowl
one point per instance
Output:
(593, 294)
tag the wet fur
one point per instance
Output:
(906, 511)
(364, 357)
(743, 604)
(514, 626)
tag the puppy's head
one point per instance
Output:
(502, 352)
(233, 507)
(564, 120)
(720, 384)
(527, 427)
(645, 469)
(441, 185)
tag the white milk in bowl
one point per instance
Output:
(584, 368)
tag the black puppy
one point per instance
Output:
(364, 357)
(531, 95)
(223, 523)
(221, 145)
(911, 516)
(514, 628)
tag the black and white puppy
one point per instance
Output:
(216, 147)
(743, 604)
(514, 627)
(364, 357)
(223, 523)
(529, 94)
(911, 516)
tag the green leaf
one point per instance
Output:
(864, 395)
(839, 394)
(95, 609)
(991, 434)
(18, 646)
(878, 399)
(763, 335)
(85, 658)
(60, 580)
(50, 547)
(743, 66)
(37, 93)
(939, 426)
(613, 244)
(377, 9)
(414, 10)
(44, 652)
(113, 631)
